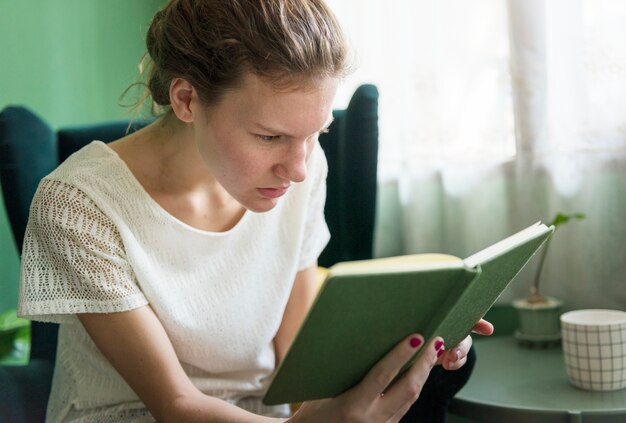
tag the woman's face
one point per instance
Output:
(256, 141)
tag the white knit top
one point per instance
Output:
(97, 242)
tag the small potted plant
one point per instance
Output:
(538, 314)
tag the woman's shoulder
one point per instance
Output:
(93, 175)
(95, 170)
(89, 161)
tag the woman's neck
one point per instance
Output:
(164, 158)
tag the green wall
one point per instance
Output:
(69, 61)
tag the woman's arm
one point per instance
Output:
(137, 346)
(300, 300)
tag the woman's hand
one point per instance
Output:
(378, 398)
(455, 358)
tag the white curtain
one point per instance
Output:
(495, 114)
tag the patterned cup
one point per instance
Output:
(594, 345)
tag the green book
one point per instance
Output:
(364, 308)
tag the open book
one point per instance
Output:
(364, 308)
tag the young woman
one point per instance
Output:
(180, 260)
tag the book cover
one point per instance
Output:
(365, 308)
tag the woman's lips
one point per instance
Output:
(273, 192)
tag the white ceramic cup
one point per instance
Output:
(594, 345)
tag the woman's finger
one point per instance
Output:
(400, 413)
(455, 358)
(407, 389)
(483, 327)
(386, 370)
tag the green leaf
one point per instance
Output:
(10, 321)
(562, 218)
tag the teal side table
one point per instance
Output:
(517, 385)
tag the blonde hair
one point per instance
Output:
(213, 43)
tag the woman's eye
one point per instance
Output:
(267, 137)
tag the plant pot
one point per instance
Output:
(539, 322)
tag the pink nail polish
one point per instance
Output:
(440, 352)
(415, 342)
(438, 345)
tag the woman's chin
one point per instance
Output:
(262, 205)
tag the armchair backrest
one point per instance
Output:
(72, 139)
(351, 148)
(28, 152)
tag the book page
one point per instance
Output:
(506, 244)
(397, 264)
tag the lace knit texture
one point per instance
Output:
(97, 242)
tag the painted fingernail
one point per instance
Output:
(438, 345)
(440, 352)
(415, 342)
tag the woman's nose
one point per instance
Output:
(293, 166)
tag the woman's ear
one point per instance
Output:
(182, 94)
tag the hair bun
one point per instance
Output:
(213, 43)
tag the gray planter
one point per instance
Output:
(539, 322)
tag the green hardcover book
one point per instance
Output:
(365, 308)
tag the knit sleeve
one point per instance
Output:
(316, 234)
(73, 259)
